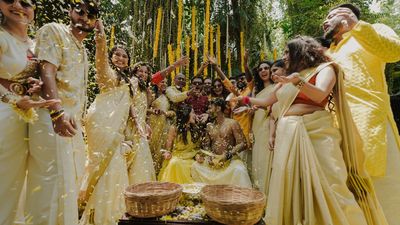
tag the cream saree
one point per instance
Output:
(261, 155)
(318, 174)
(106, 173)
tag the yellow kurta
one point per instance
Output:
(159, 126)
(261, 154)
(177, 169)
(363, 54)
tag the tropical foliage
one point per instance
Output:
(266, 24)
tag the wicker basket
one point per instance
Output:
(233, 205)
(152, 199)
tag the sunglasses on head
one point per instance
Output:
(24, 3)
(91, 12)
(263, 68)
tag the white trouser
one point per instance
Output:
(23, 147)
(71, 164)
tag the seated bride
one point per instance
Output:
(182, 146)
(219, 163)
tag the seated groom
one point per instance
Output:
(218, 163)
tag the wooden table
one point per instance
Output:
(128, 220)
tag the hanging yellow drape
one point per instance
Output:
(179, 34)
(193, 24)
(187, 49)
(229, 63)
(171, 60)
(275, 55)
(242, 50)
(112, 37)
(206, 34)
(263, 51)
(219, 44)
(157, 33)
(212, 41)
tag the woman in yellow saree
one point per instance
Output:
(318, 174)
(159, 120)
(182, 146)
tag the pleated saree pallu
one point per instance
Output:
(318, 175)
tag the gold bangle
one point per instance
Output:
(57, 117)
(301, 83)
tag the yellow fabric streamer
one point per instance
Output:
(229, 63)
(187, 48)
(206, 34)
(112, 37)
(242, 50)
(219, 44)
(262, 55)
(275, 55)
(212, 41)
(157, 33)
(179, 34)
(195, 62)
(171, 60)
(194, 12)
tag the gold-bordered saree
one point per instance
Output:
(106, 174)
(318, 173)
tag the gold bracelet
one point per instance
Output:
(301, 83)
(57, 117)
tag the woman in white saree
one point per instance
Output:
(109, 124)
(318, 174)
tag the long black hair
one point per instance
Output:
(182, 118)
(259, 83)
(143, 84)
(305, 52)
(225, 92)
(123, 74)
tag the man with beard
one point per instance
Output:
(64, 71)
(362, 50)
(218, 163)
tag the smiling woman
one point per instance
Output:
(20, 144)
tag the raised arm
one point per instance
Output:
(225, 81)
(378, 39)
(160, 75)
(105, 75)
(202, 67)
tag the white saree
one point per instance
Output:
(106, 173)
